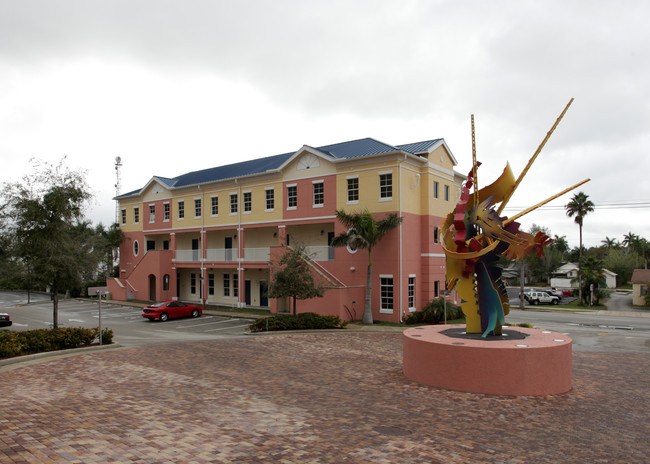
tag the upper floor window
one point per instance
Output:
(319, 193)
(197, 207)
(123, 216)
(386, 186)
(166, 211)
(136, 215)
(248, 202)
(436, 189)
(152, 213)
(446, 193)
(436, 235)
(270, 199)
(353, 190)
(181, 210)
(292, 196)
(233, 203)
(215, 206)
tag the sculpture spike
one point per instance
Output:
(532, 160)
(475, 166)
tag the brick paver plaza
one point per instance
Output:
(309, 398)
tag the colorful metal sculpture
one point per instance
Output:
(474, 236)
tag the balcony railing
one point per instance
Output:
(257, 254)
(188, 255)
(222, 254)
(320, 253)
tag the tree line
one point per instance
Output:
(46, 242)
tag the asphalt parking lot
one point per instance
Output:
(127, 323)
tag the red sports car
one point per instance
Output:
(170, 309)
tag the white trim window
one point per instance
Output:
(166, 212)
(136, 248)
(136, 215)
(181, 210)
(197, 208)
(211, 284)
(248, 202)
(226, 285)
(235, 285)
(152, 214)
(319, 193)
(353, 190)
(233, 204)
(214, 204)
(385, 186)
(270, 199)
(123, 215)
(292, 196)
(411, 292)
(386, 292)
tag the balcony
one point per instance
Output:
(257, 254)
(222, 254)
(188, 255)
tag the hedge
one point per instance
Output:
(42, 340)
(302, 321)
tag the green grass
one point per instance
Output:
(574, 305)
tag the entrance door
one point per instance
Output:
(247, 291)
(330, 250)
(195, 249)
(152, 287)
(264, 293)
(228, 246)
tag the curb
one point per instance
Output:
(39, 357)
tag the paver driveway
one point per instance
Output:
(314, 398)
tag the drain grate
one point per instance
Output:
(391, 431)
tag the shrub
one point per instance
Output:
(42, 340)
(303, 321)
(434, 313)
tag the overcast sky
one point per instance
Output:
(176, 86)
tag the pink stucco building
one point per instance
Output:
(209, 236)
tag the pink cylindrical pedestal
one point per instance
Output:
(522, 362)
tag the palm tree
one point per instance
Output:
(609, 243)
(364, 232)
(579, 206)
(630, 241)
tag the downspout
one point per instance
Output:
(240, 250)
(401, 295)
(202, 233)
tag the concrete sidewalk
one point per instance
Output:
(309, 398)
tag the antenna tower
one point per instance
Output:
(118, 187)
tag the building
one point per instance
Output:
(565, 275)
(209, 236)
(640, 283)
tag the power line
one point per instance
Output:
(604, 205)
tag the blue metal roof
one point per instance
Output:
(344, 150)
(245, 168)
(419, 147)
(356, 148)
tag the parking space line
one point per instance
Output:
(227, 328)
(206, 323)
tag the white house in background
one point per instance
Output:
(640, 282)
(563, 276)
